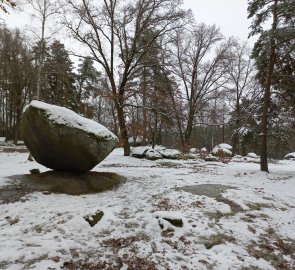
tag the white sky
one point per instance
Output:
(229, 15)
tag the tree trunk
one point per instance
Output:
(266, 98)
(123, 130)
(144, 110)
(237, 126)
(189, 129)
(17, 118)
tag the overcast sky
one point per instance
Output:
(229, 15)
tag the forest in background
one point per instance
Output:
(155, 76)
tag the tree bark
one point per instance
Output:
(266, 98)
(237, 126)
(189, 129)
(123, 130)
(144, 110)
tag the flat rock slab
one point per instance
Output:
(60, 183)
(213, 191)
(209, 190)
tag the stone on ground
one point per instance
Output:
(66, 183)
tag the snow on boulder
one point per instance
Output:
(159, 147)
(193, 150)
(204, 149)
(139, 152)
(157, 153)
(290, 156)
(152, 154)
(169, 219)
(170, 153)
(223, 147)
(62, 140)
(252, 155)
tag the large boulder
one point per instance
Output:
(62, 140)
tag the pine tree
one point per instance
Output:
(87, 82)
(267, 52)
(59, 88)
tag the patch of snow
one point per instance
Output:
(193, 150)
(136, 140)
(64, 116)
(225, 146)
(139, 151)
(170, 153)
(252, 155)
(45, 227)
(159, 147)
(153, 154)
(222, 147)
(168, 214)
(244, 131)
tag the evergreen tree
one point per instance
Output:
(268, 53)
(87, 85)
(60, 80)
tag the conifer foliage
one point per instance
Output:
(274, 54)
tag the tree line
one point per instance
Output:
(154, 75)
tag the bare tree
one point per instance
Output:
(241, 85)
(17, 74)
(44, 10)
(112, 30)
(198, 57)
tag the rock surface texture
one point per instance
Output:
(62, 140)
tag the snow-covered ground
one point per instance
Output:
(251, 226)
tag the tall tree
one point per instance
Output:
(44, 10)
(87, 85)
(111, 30)
(17, 75)
(59, 88)
(266, 51)
(241, 85)
(198, 61)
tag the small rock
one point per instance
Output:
(166, 219)
(211, 159)
(94, 219)
(175, 222)
(35, 171)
